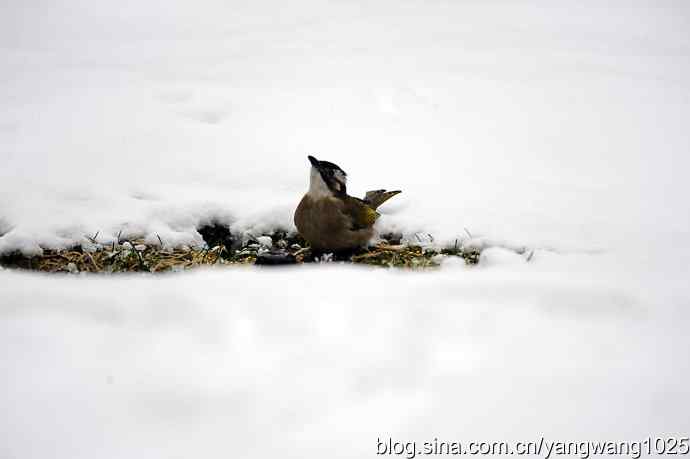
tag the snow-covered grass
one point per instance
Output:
(559, 126)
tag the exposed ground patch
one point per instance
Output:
(225, 248)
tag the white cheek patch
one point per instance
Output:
(341, 177)
(317, 187)
(340, 180)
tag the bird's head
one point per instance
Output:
(326, 179)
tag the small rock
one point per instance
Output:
(295, 247)
(140, 247)
(421, 239)
(216, 233)
(126, 245)
(90, 247)
(265, 241)
(272, 258)
(72, 268)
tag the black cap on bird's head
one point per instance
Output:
(334, 177)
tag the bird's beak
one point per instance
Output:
(314, 162)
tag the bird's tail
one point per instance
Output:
(377, 197)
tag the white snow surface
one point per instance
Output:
(321, 361)
(538, 123)
(556, 126)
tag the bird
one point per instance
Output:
(330, 219)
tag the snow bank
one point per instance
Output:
(215, 364)
(533, 124)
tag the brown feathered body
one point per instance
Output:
(330, 219)
(331, 223)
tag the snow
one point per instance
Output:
(544, 130)
(532, 123)
(321, 361)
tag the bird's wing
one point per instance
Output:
(361, 215)
(377, 197)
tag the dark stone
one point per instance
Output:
(275, 257)
(392, 238)
(336, 255)
(217, 234)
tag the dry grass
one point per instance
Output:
(135, 256)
